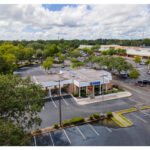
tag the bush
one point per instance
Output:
(37, 130)
(115, 91)
(76, 94)
(109, 114)
(66, 123)
(77, 120)
(91, 117)
(56, 125)
(96, 115)
(83, 93)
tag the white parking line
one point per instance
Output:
(35, 141)
(53, 102)
(81, 133)
(93, 129)
(108, 129)
(51, 138)
(146, 114)
(67, 136)
(140, 118)
(64, 101)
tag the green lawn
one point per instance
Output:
(126, 111)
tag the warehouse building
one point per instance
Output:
(89, 81)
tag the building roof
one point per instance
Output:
(80, 76)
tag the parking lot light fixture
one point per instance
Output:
(104, 75)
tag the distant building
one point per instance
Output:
(131, 51)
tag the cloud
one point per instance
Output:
(32, 22)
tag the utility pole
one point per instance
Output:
(59, 106)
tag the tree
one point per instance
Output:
(48, 63)
(51, 51)
(12, 135)
(95, 47)
(62, 58)
(90, 52)
(134, 74)
(137, 60)
(28, 53)
(39, 53)
(20, 102)
(76, 53)
(148, 63)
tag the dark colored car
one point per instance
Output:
(124, 76)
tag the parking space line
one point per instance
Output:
(108, 129)
(67, 136)
(64, 101)
(93, 129)
(53, 102)
(51, 138)
(140, 118)
(146, 114)
(35, 141)
(81, 133)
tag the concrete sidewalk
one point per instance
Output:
(113, 96)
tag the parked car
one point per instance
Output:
(124, 76)
(148, 72)
(145, 81)
(142, 63)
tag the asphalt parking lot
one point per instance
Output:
(70, 109)
(94, 134)
(98, 135)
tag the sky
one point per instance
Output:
(72, 21)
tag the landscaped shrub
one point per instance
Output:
(77, 120)
(66, 123)
(109, 114)
(76, 94)
(96, 115)
(115, 91)
(37, 130)
(96, 93)
(56, 125)
(91, 117)
(83, 93)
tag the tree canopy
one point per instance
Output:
(20, 102)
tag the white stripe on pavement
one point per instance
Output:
(146, 114)
(64, 101)
(93, 129)
(67, 136)
(35, 141)
(53, 102)
(108, 129)
(140, 118)
(81, 133)
(51, 138)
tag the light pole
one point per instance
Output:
(59, 106)
(104, 75)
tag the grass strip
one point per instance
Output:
(144, 107)
(118, 122)
(126, 111)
